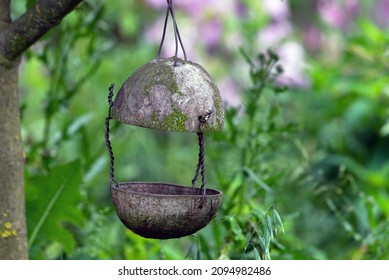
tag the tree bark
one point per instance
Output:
(27, 29)
(13, 232)
(15, 38)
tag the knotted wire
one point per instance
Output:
(177, 35)
(200, 168)
(107, 142)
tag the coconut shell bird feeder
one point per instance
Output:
(170, 94)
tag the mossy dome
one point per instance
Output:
(170, 96)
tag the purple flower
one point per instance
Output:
(336, 14)
(280, 26)
(312, 38)
(189, 6)
(292, 59)
(352, 6)
(157, 3)
(202, 25)
(194, 8)
(277, 9)
(230, 92)
(240, 9)
(154, 33)
(273, 34)
(380, 13)
(210, 32)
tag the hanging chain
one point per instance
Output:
(201, 163)
(107, 142)
(177, 36)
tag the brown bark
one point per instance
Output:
(27, 29)
(13, 235)
(15, 38)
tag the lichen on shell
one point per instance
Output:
(164, 96)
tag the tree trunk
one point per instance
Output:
(15, 38)
(13, 231)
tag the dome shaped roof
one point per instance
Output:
(164, 96)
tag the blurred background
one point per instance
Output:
(303, 160)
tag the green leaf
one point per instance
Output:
(78, 123)
(262, 245)
(250, 173)
(256, 253)
(269, 225)
(30, 3)
(194, 252)
(372, 31)
(277, 220)
(52, 200)
(246, 57)
(236, 229)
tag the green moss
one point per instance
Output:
(161, 74)
(218, 103)
(173, 122)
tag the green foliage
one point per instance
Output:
(30, 3)
(52, 203)
(344, 149)
(304, 171)
(244, 172)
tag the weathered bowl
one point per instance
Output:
(164, 96)
(164, 211)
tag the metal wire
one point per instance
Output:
(200, 168)
(177, 35)
(163, 34)
(196, 176)
(107, 142)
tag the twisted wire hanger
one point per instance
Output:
(200, 168)
(107, 141)
(177, 36)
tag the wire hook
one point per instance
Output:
(177, 36)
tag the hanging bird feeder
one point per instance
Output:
(170, 94)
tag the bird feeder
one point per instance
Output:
(170, 94)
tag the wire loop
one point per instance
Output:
(177, 36)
